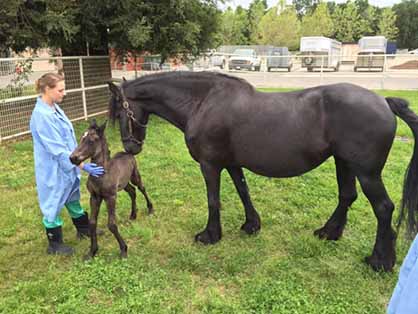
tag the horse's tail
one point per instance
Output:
(409, 203)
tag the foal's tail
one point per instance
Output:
(409, 204)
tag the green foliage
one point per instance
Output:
(16, 86)
(387, 24)
(256, 12)
(280, 28)
(317, 23)
(283, 269)
(349, 25)
(166, 27)
(407, 23)
(305, 7)
(233, 30)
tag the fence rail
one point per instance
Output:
(86, 89)
(86, 77)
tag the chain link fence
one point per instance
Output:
(86, 89)
(87, 93)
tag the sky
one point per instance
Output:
(270, 3)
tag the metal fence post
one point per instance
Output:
(382, 82)
(83, 91)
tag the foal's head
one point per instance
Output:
(91, 144)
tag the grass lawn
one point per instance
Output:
(284, 269)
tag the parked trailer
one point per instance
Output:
(279, 58)
(320, 52)
(372, 53)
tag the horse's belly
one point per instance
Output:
(281, 164)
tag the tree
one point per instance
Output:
(317, 23)
(331, 7)
(407, 23)
(387, 24)
(362, 5)
(349, 26)
(234, 27)
(304, 7)
(167, 27)
(372, 16)
(280, 29)
(256, 12)
(32, 23)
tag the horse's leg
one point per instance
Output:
(132, 194)
(95, 201)
(136, 180)
(252, 219)
(213, 232)
(111, 224)
(384, 255)
(347, 194)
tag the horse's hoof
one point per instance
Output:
(329, 233)
(88, 257)
(207, 237)
(377, 264)
(251, 227)
(124, 254)
(150, 210)
(132, 217)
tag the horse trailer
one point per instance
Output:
(278, 58)
(320, 52)
(372, 53)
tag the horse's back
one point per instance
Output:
(286, 134)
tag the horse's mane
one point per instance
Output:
(184, 74)
(175, 75)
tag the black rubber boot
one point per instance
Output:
(82, 225)
(55, 243)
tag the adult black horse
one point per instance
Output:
(229, 125)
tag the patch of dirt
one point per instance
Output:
(409, 65)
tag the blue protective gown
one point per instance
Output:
(57, 179)
(405, 296)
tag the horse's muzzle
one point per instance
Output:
(75, 160)
(132, 148)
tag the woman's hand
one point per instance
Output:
(92, 169)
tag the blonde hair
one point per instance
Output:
(48, 79)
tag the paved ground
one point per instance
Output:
(395, 80)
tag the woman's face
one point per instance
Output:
(56, 94)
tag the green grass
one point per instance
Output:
(11, 91)
(283, 269)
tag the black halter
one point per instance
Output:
(131, 119)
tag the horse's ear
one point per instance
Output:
(102, 128)
(93, 124)
(113, 88)
(124, 79)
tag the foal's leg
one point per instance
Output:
(213, 232)
(252, 219)
(95, 202)
(347, 194)
(111, 224)
(384, 255)
(136, 180)
(132, 194)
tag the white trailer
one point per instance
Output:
(372, 53)
(320, 52)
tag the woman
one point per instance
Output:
(405, 296)
(57, 179)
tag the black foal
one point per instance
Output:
(121, 172)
